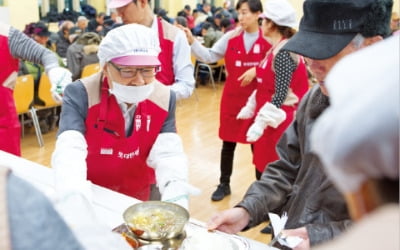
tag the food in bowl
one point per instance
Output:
(156, 220)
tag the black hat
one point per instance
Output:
(328, 26)
(40, 29)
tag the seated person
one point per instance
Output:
(63, 42)
(83, 52)
(117, 127)
(40, 33)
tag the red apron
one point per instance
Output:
(264, 150)
(166, 75)
(115, 161)
(234, 97)
(10, 128)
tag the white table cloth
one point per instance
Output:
(108, 205)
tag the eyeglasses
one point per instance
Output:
(146, 72)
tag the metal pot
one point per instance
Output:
(156, 220)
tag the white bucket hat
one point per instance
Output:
(280, 12)
(130, 44)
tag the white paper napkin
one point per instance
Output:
(278, 224)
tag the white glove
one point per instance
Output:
(269, 115)
(178, 192)
(69, 164)
(59, 78)
(248, 110)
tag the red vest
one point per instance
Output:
(234, 97)
(264, 151)
(10, 128)
(118, 162)
(166, 75)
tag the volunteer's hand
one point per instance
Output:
(247, 77)
(248, 110)
(255, 131)
(178, 192)
(269, 115)
(189, 36)
(59, 77)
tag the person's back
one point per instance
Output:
(210, 35)
(82, 52)
(47, 231)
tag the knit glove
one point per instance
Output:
(59, 77)
(269, 115)
(248, 110)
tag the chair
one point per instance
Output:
(44, 93)
(193, 60)
(23, 98)
(90, 69)
(210, 68)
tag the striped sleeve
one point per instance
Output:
(23, 47)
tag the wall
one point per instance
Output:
(99, 5)
(22, 12)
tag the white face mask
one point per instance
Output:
(131, 94)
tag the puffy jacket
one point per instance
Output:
(297, 184)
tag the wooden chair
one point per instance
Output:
(210, 68)
(23, 98)
(90, 69)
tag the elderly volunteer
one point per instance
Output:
(118, 126)
(176, 66)
(15, 45)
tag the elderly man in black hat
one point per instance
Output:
(361, 154)
(297, 183)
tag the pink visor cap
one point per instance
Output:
(113, 4)
(130, 44)
(137, 60)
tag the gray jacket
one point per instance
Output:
(297, 183)
(33, 221)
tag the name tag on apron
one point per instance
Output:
(106, 151)
(256, 49)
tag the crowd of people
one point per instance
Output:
(326, 154)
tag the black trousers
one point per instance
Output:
(226, 164)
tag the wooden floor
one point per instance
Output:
(197, 123)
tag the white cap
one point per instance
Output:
(130, 44)
(113, 4)
(280, 12)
